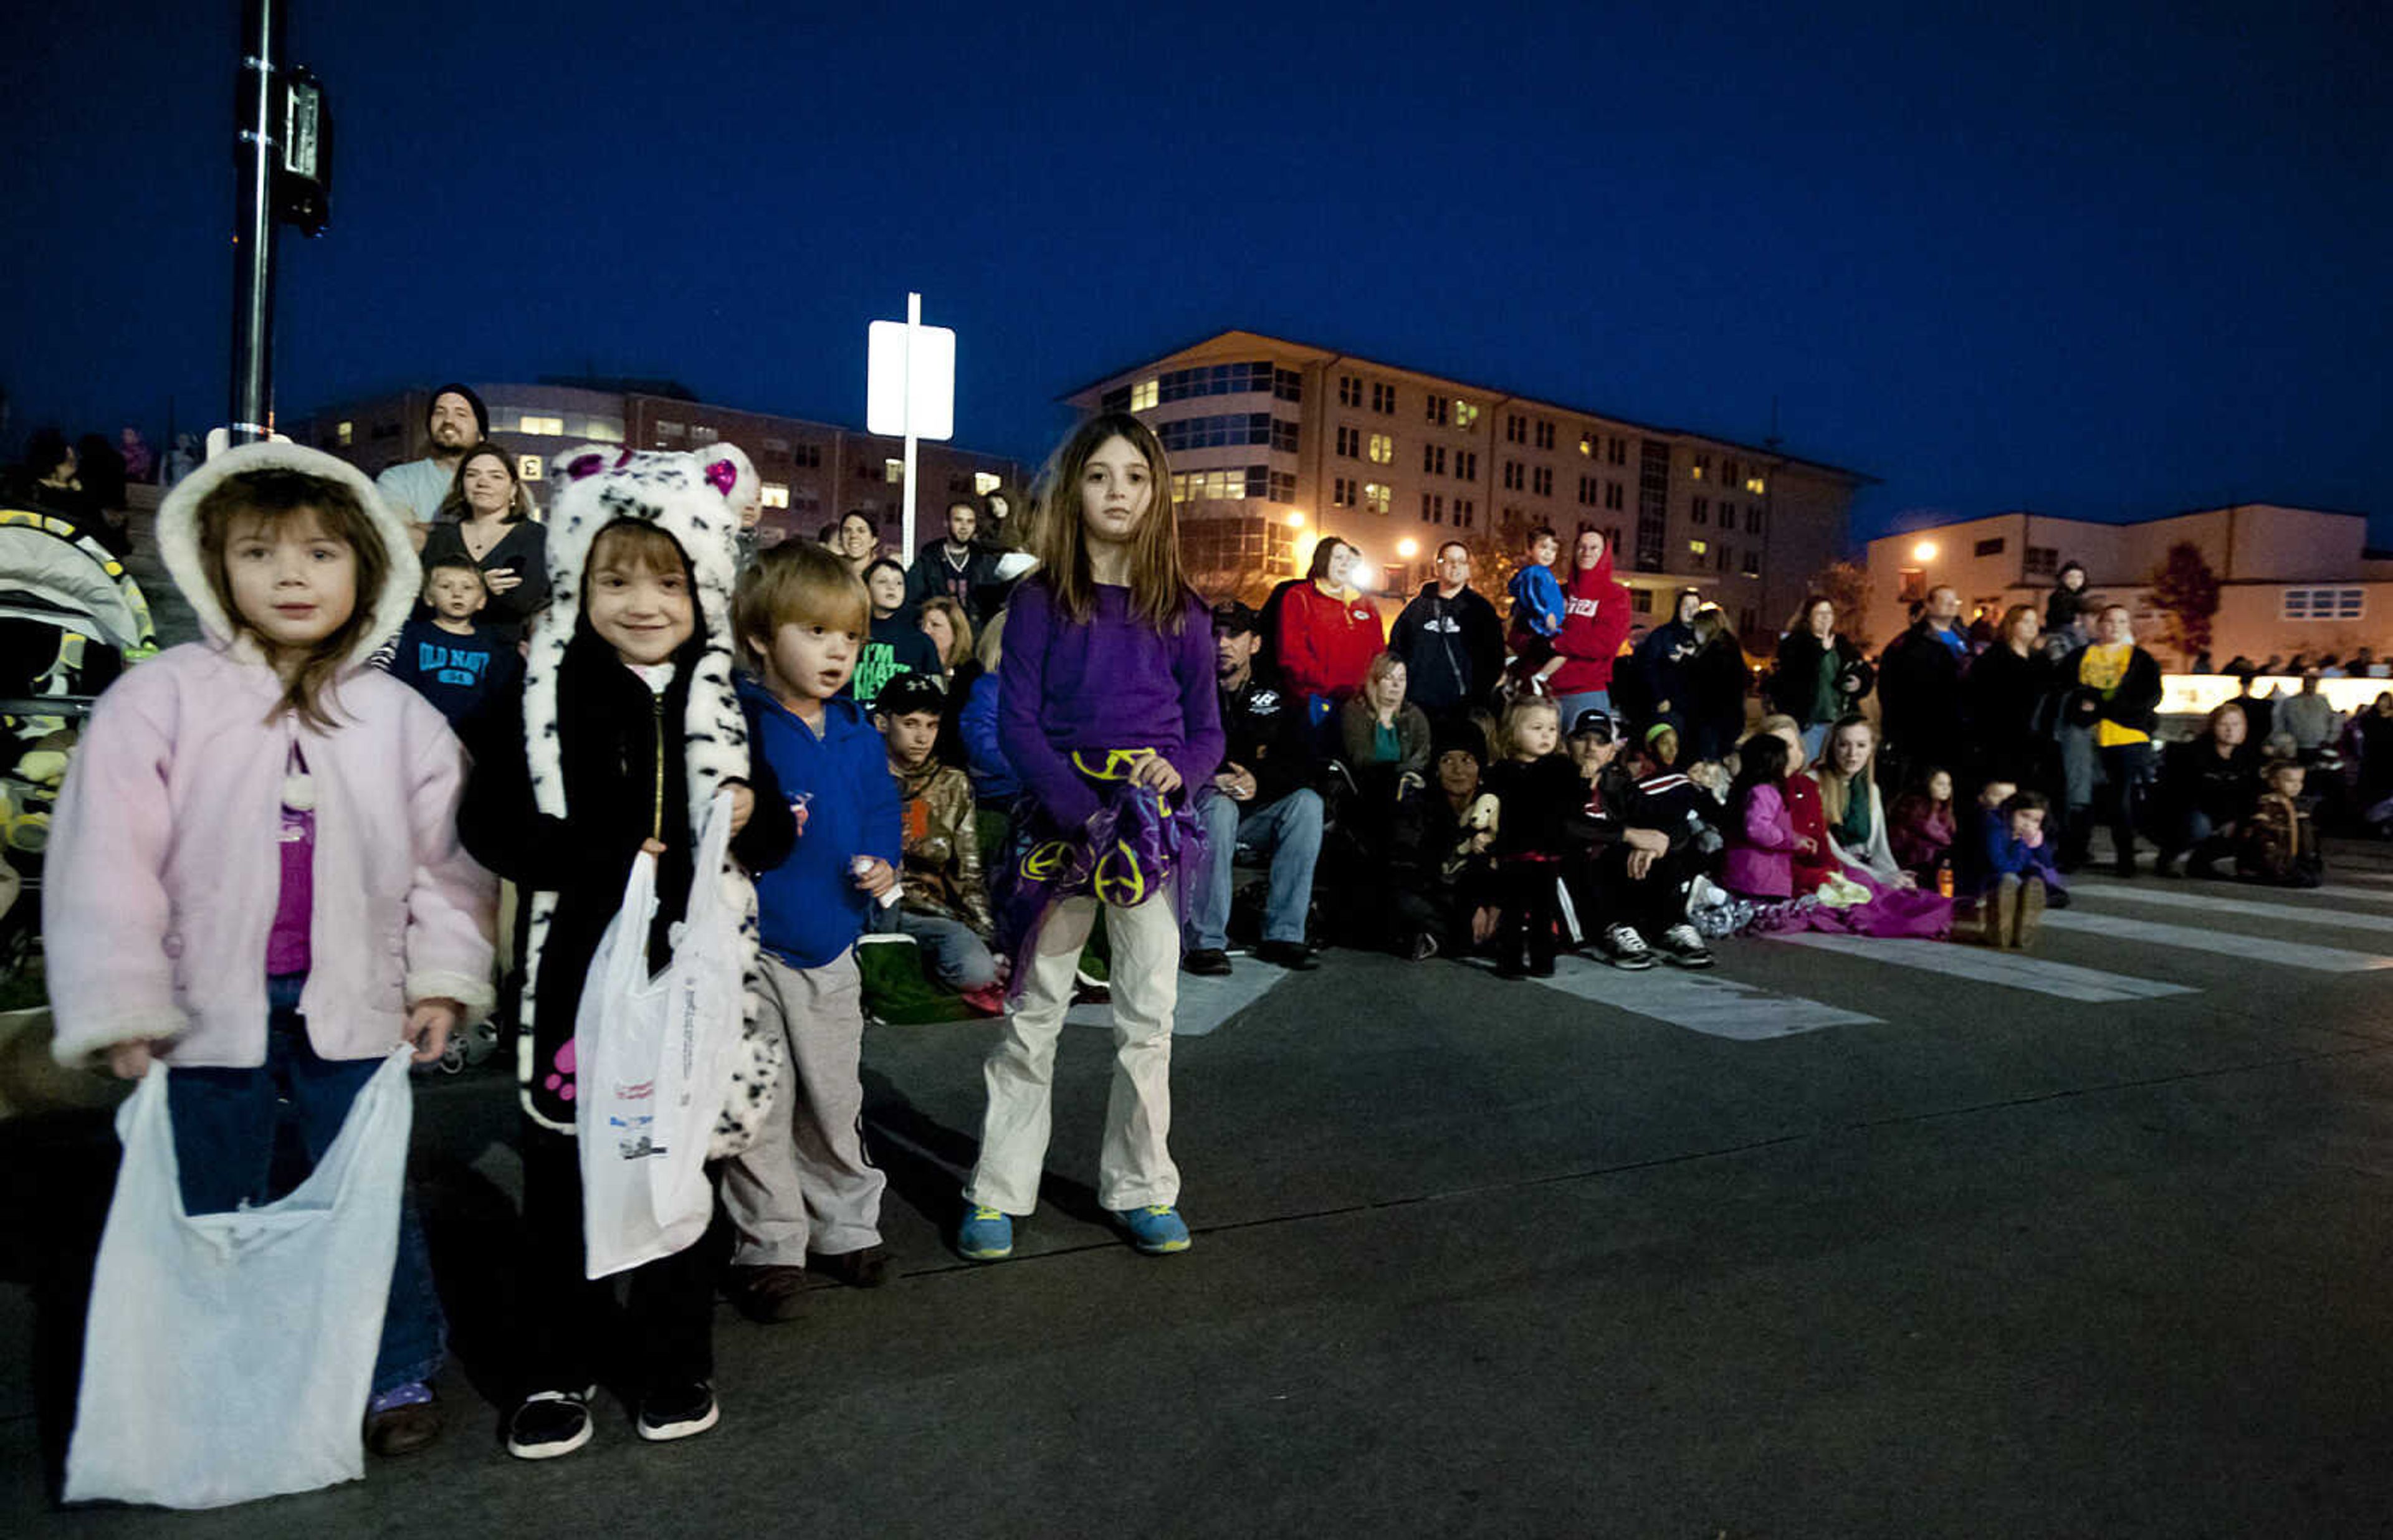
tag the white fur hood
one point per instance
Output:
(178, 540)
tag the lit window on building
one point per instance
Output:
(1695, 472)
(2324, 604)
(1699, 548)
(346, 432)
(986, 482)
(545, 427)
(1466, 414)
(603, 430)
(1755, 485)
(703, 435)
(1376, 498)
(529, 468)
(774, 494)
(1587, 445)
(1143, 394)
(1383, 448)
(668, 432)
(892, 472)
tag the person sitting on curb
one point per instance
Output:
(1261, 797)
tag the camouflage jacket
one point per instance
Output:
(942, 874)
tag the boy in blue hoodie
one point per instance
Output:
(1537, 609)
(804, 1191)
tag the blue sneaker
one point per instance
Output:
(1157, 1230)
(987, 1235)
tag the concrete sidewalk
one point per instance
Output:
(1476, 1257)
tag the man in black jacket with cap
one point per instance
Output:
(1263, 796)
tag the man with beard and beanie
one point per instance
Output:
(1261, 797)
(456, 422)
(1451, 641)
(1638, 845)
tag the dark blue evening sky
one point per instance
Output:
(2100, 260)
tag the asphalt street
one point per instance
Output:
(1839, 1239)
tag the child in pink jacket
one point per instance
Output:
(1760, 861)
(253, 873)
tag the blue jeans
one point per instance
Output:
(227, 1122)
(1290, 829)
(951, 953)
(1571, 705)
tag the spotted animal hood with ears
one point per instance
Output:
(179, 542)
(687, 497)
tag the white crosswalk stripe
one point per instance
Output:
(1699, 1003)
(2178, 898)
(2361, 895)
(2272, 953)
(1985, 965)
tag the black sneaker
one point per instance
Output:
(1207, 962)
(1624, 948)
(678, 1412)
(1294, 956)
(550, 1422)
(1682, 946)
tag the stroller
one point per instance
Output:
(71, 617)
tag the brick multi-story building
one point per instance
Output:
(812, 472)
(1275, 442)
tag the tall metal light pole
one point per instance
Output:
(253, 321)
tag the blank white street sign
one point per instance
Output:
(919, 399)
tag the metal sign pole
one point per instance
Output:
(913, 329)
(253, 321)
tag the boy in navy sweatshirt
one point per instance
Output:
(804, 1192)
(449, 660)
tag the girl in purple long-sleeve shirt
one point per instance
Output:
(1107, 711)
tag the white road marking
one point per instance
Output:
(2178, 898)
(1205, 1003)
(1699, 1003)
(1985, 965)
(2283, 954)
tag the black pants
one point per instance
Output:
(1525, 922)
(572, 1334)
(1605, 894)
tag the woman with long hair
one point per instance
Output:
(2009, 693)
(1820, 674)
(486, 520)
(1327, 633)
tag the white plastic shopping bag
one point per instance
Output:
(653, 1058)
(228, 1356)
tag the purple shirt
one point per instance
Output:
(286, 944)
(1110, 682)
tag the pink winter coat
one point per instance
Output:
(164, 868)
(1759, 861)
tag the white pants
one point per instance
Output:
(806, 1183)
(1135, 1168)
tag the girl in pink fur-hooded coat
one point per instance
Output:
(253, 873)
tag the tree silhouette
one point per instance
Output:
(2185, 591)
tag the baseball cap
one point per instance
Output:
(1594, 722)
(1233, 619)
(910, 692)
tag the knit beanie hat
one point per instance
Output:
(481, 413)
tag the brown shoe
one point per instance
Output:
(767, 1294)
(2031, 913)
(404, 1429)
(865, 1269)
(2001, 905)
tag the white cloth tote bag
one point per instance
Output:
(653, 1058)
(228, 1356)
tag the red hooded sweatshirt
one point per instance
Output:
(1595, 622)
(1327, 644)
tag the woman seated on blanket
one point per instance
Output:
(1857, 834)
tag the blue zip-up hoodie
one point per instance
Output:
(1537, 600)
(809, 908)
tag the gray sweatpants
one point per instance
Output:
(806, 1183)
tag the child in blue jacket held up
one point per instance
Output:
(1537, 608)
(805, 1190)
(1109, 713)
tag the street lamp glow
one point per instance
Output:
(1408, 548)
(1296, 520)
(1923, 551)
